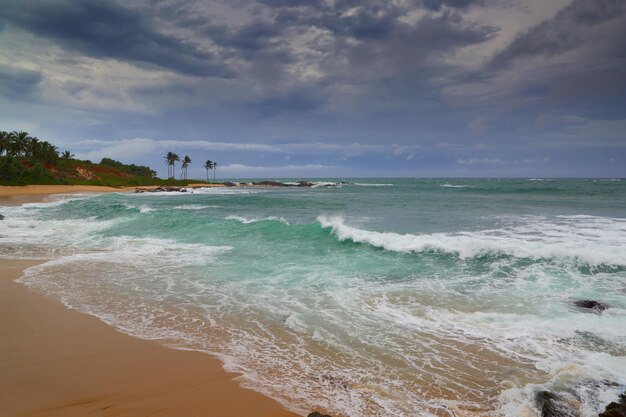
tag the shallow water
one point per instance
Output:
(380, 297)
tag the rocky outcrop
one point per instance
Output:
(317, 414)
(271, 184)
(615, 409)
(1, 217)
(591, 305)
(553, 405)
(168, 189)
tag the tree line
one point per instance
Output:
(171, 158)
(21, 144)
(21, 153)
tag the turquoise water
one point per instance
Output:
(380, 297)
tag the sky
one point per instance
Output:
(324, 88)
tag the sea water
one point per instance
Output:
(371, 297)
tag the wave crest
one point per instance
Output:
(246, 220)
(570, 239)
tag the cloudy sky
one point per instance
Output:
(318, 88)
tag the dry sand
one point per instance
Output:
(58, 362)
(16, 195)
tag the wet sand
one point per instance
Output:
(17, 195)
(58, 362)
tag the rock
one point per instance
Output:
(615, 409)
(1, 217)
(553, 405)
(271, 184)
(591, 304)
(305, 184)
(230, 184)
(317, 414)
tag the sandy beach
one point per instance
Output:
(17, 195)
(58, 362)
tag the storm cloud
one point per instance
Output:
(452, 80)
(107, 29)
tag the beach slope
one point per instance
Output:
(57, 362)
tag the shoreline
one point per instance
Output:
(59, 362)
(16, 195)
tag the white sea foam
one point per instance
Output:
(24, 234)
(246, 220)
(320, 333)
(228, 190)
(448, 185)
(142, 208)
(594, 240)
(60, 199)
(325, 184)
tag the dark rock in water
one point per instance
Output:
(229, 184)
(1, 217)
(591, 304)
(616, 409)
(305, 184)
(317, 414)
(272, 184)
(553, 405)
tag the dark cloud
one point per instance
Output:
(107, 29)
(413, 52)
(458, 4)
(18, 83)
(411, 72)
(569, 29)
(293, 102)
(291, 3)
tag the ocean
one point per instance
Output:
(361, 297)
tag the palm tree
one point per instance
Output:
(208, 165)
(4, 142)
(175, 158)
(17, 143)
(170, 161)
(49, 152)
(67, 155)
(33, 147)
(214, 169)
(186, 162)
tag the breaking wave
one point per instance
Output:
(587, 239)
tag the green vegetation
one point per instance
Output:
(27, 160)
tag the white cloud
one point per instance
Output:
(138, 146)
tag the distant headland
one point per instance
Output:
(27, 160)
